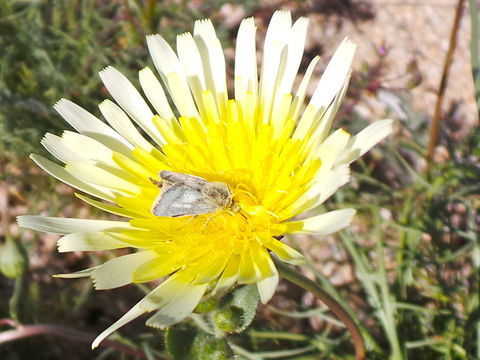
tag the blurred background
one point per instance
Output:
(407, 269)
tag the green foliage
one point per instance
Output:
(422, 287)
(53, 49)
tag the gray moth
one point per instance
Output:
(184, 195)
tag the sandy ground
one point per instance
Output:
(411, 30)
(421, 31)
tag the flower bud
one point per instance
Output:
(13, 259)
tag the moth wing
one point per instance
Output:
(181, 200)
(192, 181)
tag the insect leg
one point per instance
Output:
(187, 222)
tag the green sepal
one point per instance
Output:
(207, 305)
(195, 345)
(238, 310)
(178, 342)
(13, 259)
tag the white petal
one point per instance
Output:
(109, 208)
(213, 60)
(335, 143)
(330, 183)
(178, 309)
(323, 224)
(89, 148)
(167, 291)
(54, 145)
(267, 286)
(131, 101)
(246, 78)
(285, 253)
(229, 275)
(172, 74)
(77, 147)
(192, 65)
(302, 89)
(57, 225)
(212, 269)
(279, 115)
(122, 181)
(181, 95)
(155, 94)
(335, 75)
(317, 122)
(321, 190)
(119, 271)
(121, 123)
(132, 314)
(329, 150)
(164, 57)
(77, 274)
(85, 123)
(366, 139)
(323, 120)
(149, 303)
(61, 174)
(91, 241)
(293, 57)
(275, 43)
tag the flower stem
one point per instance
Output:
(307, 284)
(14, 302)
(475, 51)
(435, 124)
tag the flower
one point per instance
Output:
(276, 160)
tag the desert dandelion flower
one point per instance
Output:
(272, 161)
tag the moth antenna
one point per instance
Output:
(208, 222)
(155, 181)
(240, 211)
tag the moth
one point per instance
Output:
(185, 195)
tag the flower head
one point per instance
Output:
(273, 162)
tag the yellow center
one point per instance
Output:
(266, 167)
